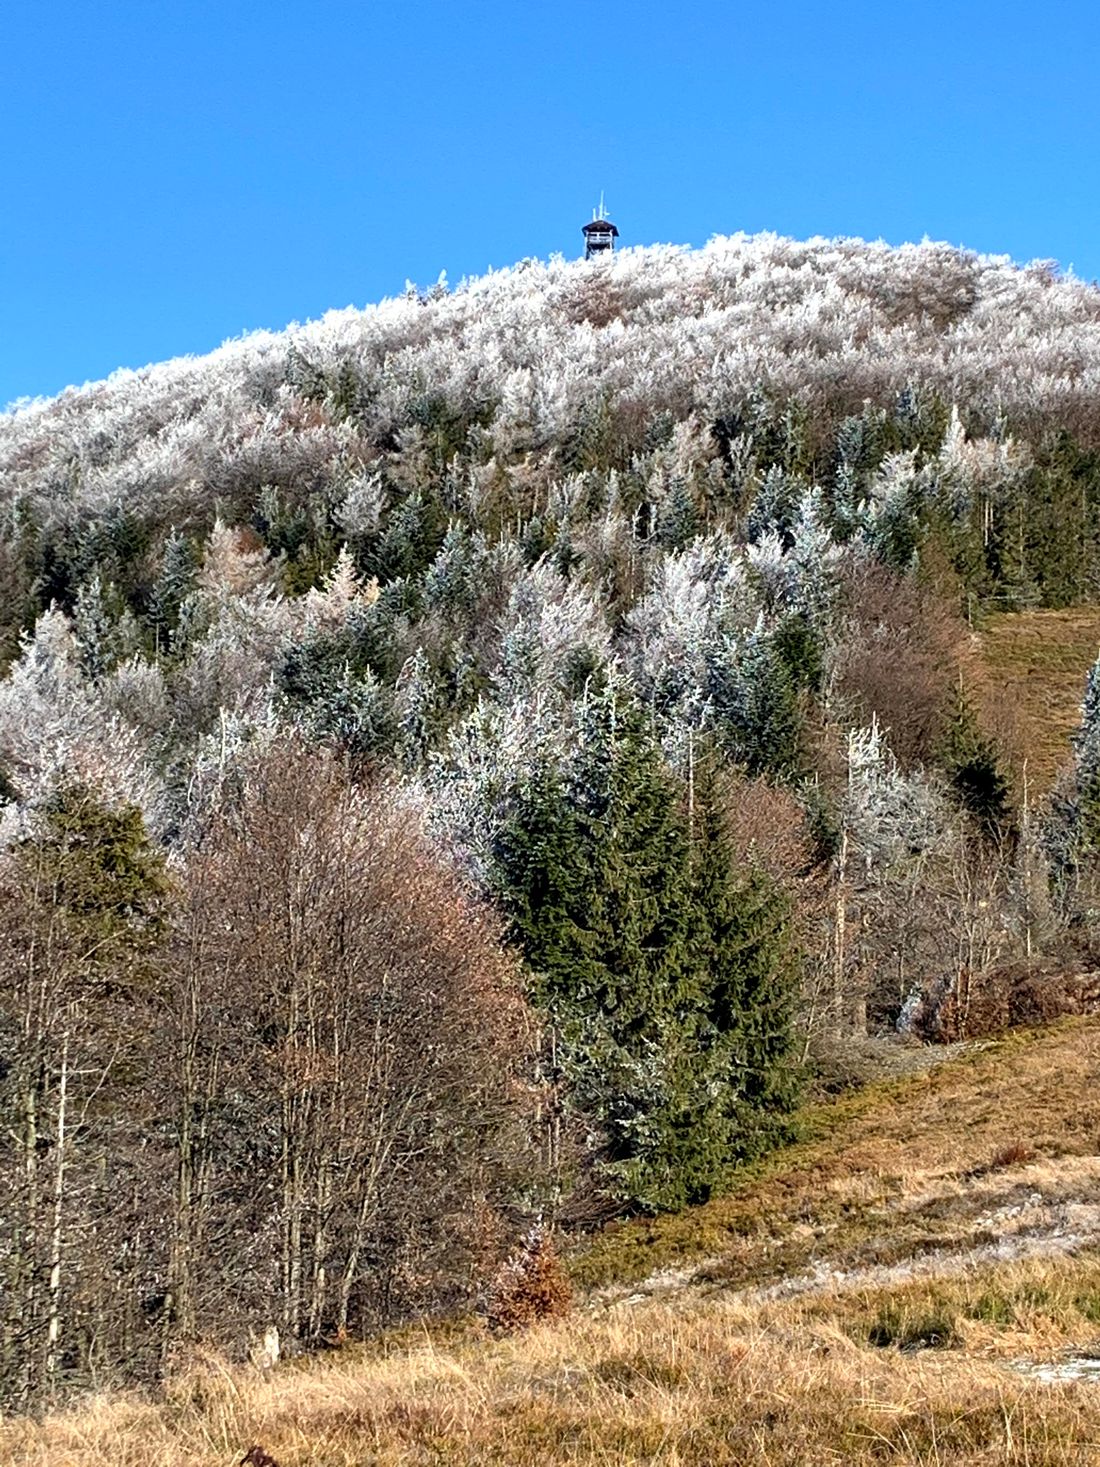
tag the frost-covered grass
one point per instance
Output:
(892, 1353)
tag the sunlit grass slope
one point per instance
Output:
(869, 1296)
(1032, 668)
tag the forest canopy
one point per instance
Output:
(463, 760)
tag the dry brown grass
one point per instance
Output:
(1030, 675)
(688, 1382)
(854, 1306)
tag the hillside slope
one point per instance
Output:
(879, 1292)
(525, 350)
(625, 598)
(1030, 670)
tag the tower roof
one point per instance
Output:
(599, 226)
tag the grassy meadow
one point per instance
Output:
(879, 1292)
(1029, 671)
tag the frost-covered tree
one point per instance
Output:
(56, 724)
(553, 633)
(891, 827)
(96, 629)
(775, 507)
(755, 708)
(174, 584)
(418, 710)
(450, 582)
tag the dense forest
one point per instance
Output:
(464, 763)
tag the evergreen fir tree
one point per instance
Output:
(95, 623)
(175, 583)
(419, 710)
(848, 503)
(748, 981)
(592, 869)
(757, 718)
(356, 711)
(649, 953)
(102, 873)
(409, 540)
(1063, 550)
(775, 508)
(448, 581)
(678, 517)
(591, 442)
(970, 762)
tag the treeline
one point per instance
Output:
(295, 1078)
(996, 519)
(286, 1081)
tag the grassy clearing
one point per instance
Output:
(850, 1303)
(677, 1383)
(894, 1170)
(1030, 675)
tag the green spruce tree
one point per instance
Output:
(662, 968)
(748, 981)
(173, 586)
(970, 762)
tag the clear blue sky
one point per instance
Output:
(174, 174)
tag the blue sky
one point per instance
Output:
(174, 174)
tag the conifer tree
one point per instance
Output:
(419, 710)
(82, 898)
(855, 461)
(757, 718)
(409, 540)
(592, 868)
(662, 969)
(775, 508)
(748, 976)
(449, 581)
(678, 517)
(95, 624)
(354, 710)
(970, 762)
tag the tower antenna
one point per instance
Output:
(600, 233)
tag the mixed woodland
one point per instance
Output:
(467, 763)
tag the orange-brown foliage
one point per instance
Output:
(529, 1287)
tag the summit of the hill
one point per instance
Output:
(663, 328)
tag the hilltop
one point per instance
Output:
(892, 1286)
(523, 357)
(478, 761)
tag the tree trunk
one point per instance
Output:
(840, 935)
(53, 1329)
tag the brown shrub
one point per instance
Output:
(1016, 1153)
(767, 827)
(530, 1286)
(1015, 995)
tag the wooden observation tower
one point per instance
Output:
(599, 233)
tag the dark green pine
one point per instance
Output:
(748, 973)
